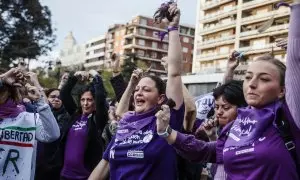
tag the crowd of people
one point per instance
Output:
(250, 129)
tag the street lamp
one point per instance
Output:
(58, 66)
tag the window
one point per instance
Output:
(183, 30)
(98, 50)
(185, 50)
(155, 34)
(224, 50)
(186, 39)
(153, 55)
(141, 42)
(154, 45)
(87, 53)
(143, 21)
(141, 53)
(142, 31)
(192, 32)
(165, 46)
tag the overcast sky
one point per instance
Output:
(91, 18)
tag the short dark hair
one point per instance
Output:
(159, 83)
(279, 65)
(49, 91)
(232, 92)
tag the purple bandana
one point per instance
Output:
(250, 124)
(10, 109)
(133, 122)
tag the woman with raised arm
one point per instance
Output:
(138, 151)
(259, 144)
(20, 129)
(83, 145)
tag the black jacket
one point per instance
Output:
(50, 155)
(95, 124)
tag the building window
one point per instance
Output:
(192, 32)
(155, 34)
(165, 46)
(142, 31)
(186, 39)
(143, 21)
(183, 30)
(87, 53)
(141, 42)
(185, 50)
(153, 55)
(141, 52)
(87, 45)
(98, 50)
(154, 45)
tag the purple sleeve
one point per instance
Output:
(195, 150)
(106, 152)
(292, 79)
(177, 117)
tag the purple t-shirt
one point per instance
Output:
(262, 157)
(144, 155)
(74, 151)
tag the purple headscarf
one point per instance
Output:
(10, 109)
(250, 124)
(133, 122)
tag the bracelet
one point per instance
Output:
(162, 34)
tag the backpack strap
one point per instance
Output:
(283, 126)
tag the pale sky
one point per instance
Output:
(90, 18)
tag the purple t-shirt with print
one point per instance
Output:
(144, 155)
(74, 151)
(264, 157)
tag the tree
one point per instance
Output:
(25, 31)
(131, 63)
(106, 75)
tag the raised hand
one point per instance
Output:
(32, 78)
(115, 59)
(13, 77)
(82, 75)
(233, 60)
(33, 92)
(136, 76)
(163, 119)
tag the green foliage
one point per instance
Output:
(106, 75)
(25, 30)
(48, 82)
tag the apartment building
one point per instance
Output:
(95, 53)
(226, 25)
(140, 36)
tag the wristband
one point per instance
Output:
(162, 34)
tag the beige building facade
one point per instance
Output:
(226, 25)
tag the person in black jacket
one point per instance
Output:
(83, 143)
(50, 155)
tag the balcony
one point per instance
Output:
(132, 46)
(216, 42)
(212, 56)
(219, 14)
(158, 71)
(265, 16)
(213, 3)
(259, 49)
(274, 29)
(217, 27)
(149, 59)
(256, 3)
